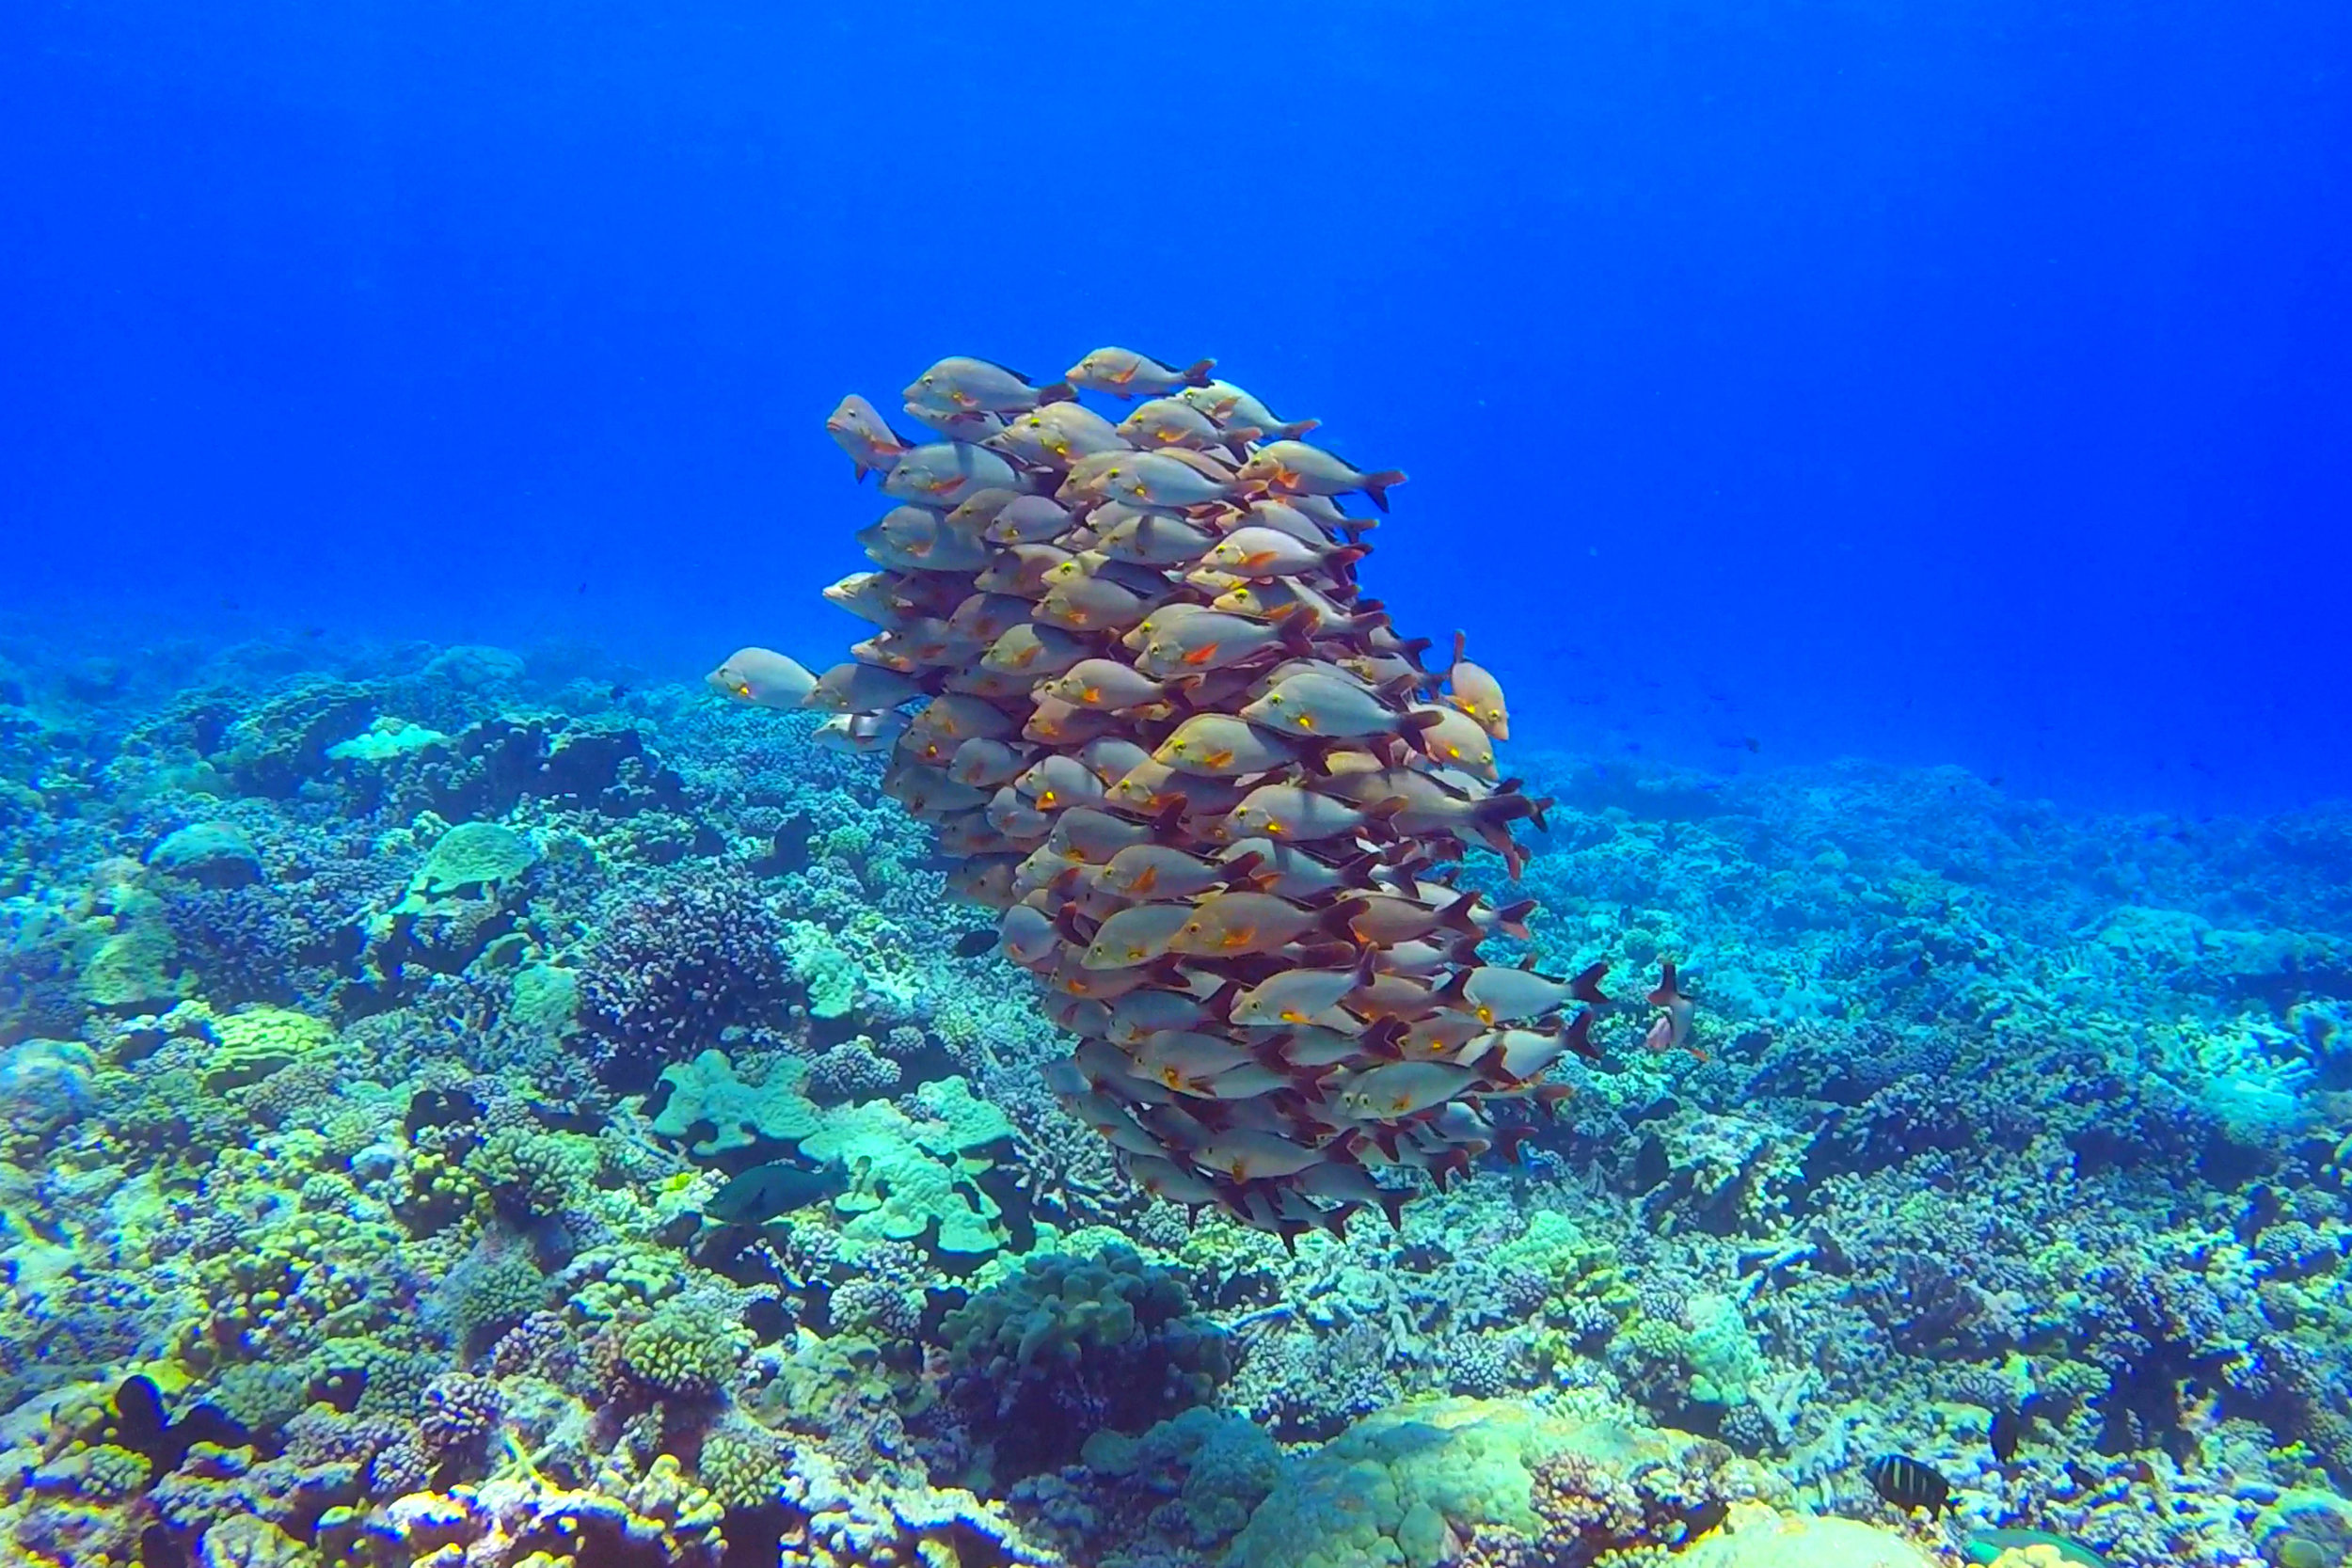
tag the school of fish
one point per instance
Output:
(1123, 669)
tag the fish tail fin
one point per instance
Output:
(1454, 1162)
(1508, 1139)
(1411, 649)
(1299, 631)
(1339, 921)
(1667, 994)
(1415, 728)
(1346, 555)
(1168, 823)
(1197, 374)
(1549, 1096)
(1236, 440)
(1392, 1205)
(1377, 486)
(1243, 871)
(1462, 916)
(862, 471)
(1220, 1002)
(1060, 391)
(1385, 1039)
(1511, 920)
(1293, 430)
(1580, 1036)
(1586, 986)
(1356, 872)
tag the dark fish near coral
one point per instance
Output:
(2003, 1435)
(141, 1426)
(439, 1108)
(778, 1187)
(1907, 1483)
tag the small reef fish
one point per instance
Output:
(1175, 423)
(1671, 1029)
(763, 678)
(858, 426)
(960, 382)
(1477, 693)
(860, 688)
(1059, 435)
(1908, 1483)
(1494, 995)
(1257, 551)
(860, 732)
(946, 473)
(1296, 468)
(1123, 372)
(1228, 408)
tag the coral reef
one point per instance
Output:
(381, 1024)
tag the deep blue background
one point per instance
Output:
(1928, 382)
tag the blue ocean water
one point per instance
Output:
(1925, 383)
(1835, 1045)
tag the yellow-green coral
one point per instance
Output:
(681, 1350)
(538, 1172)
